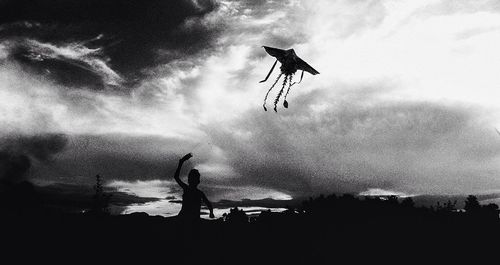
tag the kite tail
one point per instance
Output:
(285, 103)
(280, 93)
(265, 99)
(290, 84)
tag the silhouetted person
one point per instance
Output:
(189, 216)
(192, 196)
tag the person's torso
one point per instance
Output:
(191, 202)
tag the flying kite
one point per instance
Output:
(290, 63)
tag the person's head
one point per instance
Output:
(194, 177)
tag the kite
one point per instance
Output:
(290, 63)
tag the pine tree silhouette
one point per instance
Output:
(100, 200)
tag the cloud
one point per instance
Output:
(32, 105)
(128, 37)
(115, 157)
(77, 198)
(349, 147)
(76, 60)
(381, 192)
(153, 189)
(446, 7)
(13, 166)
(18, 152)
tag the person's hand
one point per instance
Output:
(186, 157)
(211, 215)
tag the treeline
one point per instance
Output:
(378, 208)
(330, 229)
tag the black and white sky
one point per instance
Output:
(406, 102)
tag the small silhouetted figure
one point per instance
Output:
(192, 196)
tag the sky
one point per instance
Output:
(406, 101)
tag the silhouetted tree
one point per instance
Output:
(447, 207)
(472, 204)
(236, 216)
(392, 199)
(408, 202)
(100, 200)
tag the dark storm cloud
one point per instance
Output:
(355, 146)
(79, 197)
(80, 69)
(41, 147)
(18, 152)
(13, 166)
(115, 156)
(127, 34)
(268, 203)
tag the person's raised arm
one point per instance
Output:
(208, 204)
(178, 170)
